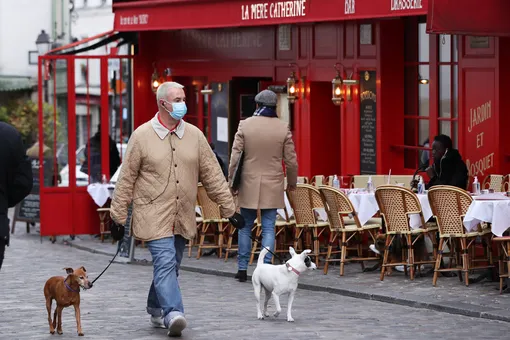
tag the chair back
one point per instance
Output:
(302, 180)
(494, 182)
(396, 204)
(506, 184)
(210, 210)
(318, 180)
(449, 205)
(337, 206)
(303, 201)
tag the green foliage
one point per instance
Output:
(24, 116)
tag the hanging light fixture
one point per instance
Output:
(422, 81)
(292, 88)
(337, 82)
(155, 82)
(348, 84)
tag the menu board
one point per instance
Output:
(368, 122)
(28, 209)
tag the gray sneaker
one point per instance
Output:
(176, 326)
(157, 322)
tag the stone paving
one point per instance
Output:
(217, 307)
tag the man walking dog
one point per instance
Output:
(165, 159)
(265, 142)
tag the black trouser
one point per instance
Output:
(2, 251)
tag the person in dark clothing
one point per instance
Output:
(94, 170)
(222, 164)
(448, 167)
(16, 179)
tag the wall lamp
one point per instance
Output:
(155, 81)
(422, 81)
(338, 84)
(295, 86)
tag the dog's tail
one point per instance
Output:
(262, 255)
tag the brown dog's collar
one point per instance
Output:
(69, 288)
(293, 269)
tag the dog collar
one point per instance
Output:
(71, 289)
(293, 269)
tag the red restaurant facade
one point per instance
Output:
(401, 85)
(425, 84)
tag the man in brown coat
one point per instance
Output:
(165, 159)
(266, 141)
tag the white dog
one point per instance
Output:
(278, 280)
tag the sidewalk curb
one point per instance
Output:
(475, 311)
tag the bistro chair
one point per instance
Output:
(504, 259)
(318, 180)
(345, 228)
(494, 182)
(506, 184)
(305, 201)
(212, 223)
(449, 205)
(104, 218)
(281, 228)
(396, 205)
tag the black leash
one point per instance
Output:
(114, 256)
(269, 250)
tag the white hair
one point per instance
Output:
(163, 89)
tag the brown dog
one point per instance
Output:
(66, 291)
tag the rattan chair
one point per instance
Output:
(396, 205)
(281, 228)
(504, 259)
(302, 180)
(506, 184)
(212, 223)
(494, 182)
(318, 180)
(344, 228)
(449, 205)
(104, 218)
(304, 201)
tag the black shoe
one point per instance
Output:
(242, 276)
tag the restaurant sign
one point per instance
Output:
(480, 123)
(137, 16)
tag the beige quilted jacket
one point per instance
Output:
(160, 175)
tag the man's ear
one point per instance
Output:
(69, 270)
(83, 268)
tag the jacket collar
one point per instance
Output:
(162, 131)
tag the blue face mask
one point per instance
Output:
(179, 110)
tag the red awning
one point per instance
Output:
(469, 17)
(148, 15)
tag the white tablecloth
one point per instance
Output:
(100, 192)
(496, 212)
(366, 206)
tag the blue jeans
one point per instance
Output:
(268, 223)
(165, 297)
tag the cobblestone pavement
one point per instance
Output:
(217, 307)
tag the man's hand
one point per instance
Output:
(291, 187)
(237, 221)
(117, 231)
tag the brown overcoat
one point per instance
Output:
(267, 144)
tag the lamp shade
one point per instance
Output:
(43, 43)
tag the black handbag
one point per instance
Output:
(236, 178)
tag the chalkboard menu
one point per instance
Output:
(368, 113)
(28, 210)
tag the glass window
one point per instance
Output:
(445, 48)
(423, 43)
(445, 88)
(455, 83)
(423, 91)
